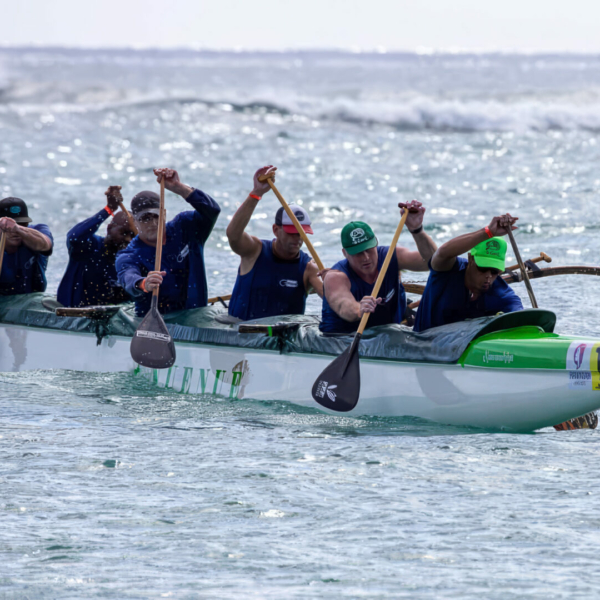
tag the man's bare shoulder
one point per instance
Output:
(337, 279)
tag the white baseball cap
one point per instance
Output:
(282, 219)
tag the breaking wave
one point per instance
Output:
(422, 113)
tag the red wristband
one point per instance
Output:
(489, 233)
(109, 211)
(143, 286)
(254, 196)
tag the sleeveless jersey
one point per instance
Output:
(391, 310)
(273, 287)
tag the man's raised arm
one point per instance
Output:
(207, 210)
(33, 239)
(419, 260)
(242, 243)
(445, 256)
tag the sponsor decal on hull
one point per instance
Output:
(191, 380)
(583, 364)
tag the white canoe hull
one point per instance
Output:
(516, 399)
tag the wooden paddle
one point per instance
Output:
(292, 216)
(338, 386)
(130, 220)
(152, 345)
(2, 244)
(522, 267)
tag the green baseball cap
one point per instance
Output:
(490, 254)
(357, 237)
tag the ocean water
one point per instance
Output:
(113, 489)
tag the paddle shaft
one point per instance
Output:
(295, 221)
(160, 237)
(383, 271)
(522, 267)
(2, 244)
(130, 220)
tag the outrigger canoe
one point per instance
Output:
(509, 372)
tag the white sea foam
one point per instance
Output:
(419, 113)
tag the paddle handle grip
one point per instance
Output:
(383, 271)
(2, 244)
(542, 257)
(522, 267)
(295, 221)
(130, 220)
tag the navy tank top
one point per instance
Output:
(391, 310)
(273, 287)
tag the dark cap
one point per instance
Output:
(144, 202)
(14, 208)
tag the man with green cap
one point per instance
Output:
(348, 285)
(467, 288)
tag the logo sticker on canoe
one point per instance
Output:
(505, 357)
(583, 364)
(153, 335)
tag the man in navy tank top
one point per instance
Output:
(349, 283)
(467, 288)
(274, 276)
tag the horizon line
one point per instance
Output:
(350, 50)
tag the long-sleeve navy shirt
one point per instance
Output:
(90, 278)
(184, 285)
(24, 271)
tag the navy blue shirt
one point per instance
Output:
(24, 271)
(392, 308)
(273, 287)
(446, 299)
(90, 278)
(184, 285)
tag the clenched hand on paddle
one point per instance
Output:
(338, 386)
(152, 345)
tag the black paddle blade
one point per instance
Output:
(338, 386)
(152, 345)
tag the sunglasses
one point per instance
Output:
(494, 272)
(147, 218)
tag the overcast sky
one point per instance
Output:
(271, 24)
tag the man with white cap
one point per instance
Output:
(274, 276)
(183, 279)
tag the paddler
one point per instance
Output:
(275, 276)
(26, 251)
(349, 283)
(182, 280)
(466, 288)
(91, 278)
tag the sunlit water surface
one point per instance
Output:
(111, 488)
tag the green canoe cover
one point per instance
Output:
(201, 325)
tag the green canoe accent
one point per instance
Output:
(526, 347)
